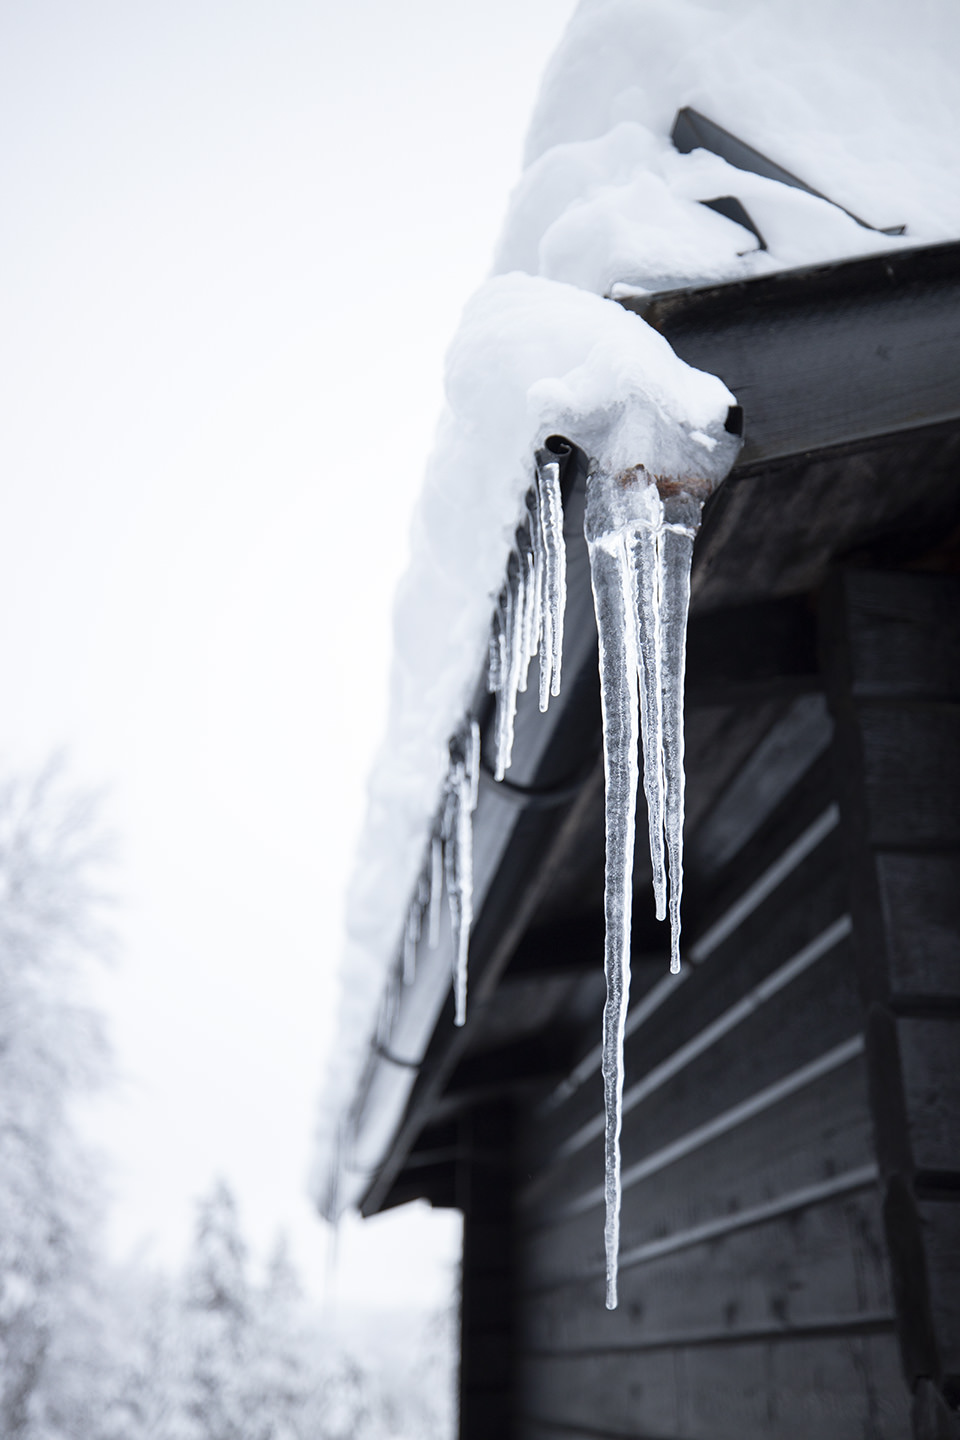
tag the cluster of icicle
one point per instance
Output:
(449, 864)
(640, 531)
(528, 619)
(529, 616)
(640, 538)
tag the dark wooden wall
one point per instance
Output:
(484, 1194)
(892, 656)
(791, 1139)
(754, 1293)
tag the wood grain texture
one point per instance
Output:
(930, 1061)
(818, 1010)
(920, 900)
(806, 902)
(832, 1387)
(904, 635)
(816, 1133)
(911, 773)
(830, 354)
(824, 1260)
(940, 1226)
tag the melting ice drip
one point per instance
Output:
(450, 859)
(640, 536)
(528, 619)
(529, 614)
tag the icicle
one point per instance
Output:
(512, 663)
(411, 935)
(555, 575)
(675, 556)
(641, 547)
(456, 836)
(436, 891)
(611, 574)
(529, 615)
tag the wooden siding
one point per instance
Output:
(892, 652)
(754, 1292)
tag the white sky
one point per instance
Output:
(237, 236)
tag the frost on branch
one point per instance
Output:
(529, 614)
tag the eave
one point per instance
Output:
(849, 381)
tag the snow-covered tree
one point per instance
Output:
(90, 1350)
(50, 1051)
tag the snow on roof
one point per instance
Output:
(858, 101)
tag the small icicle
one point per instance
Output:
(644, 560)
(411, 935)
(529, 614)
(436, 891)
(675, 555)
(469, 783)
(555, 574)
(528, 582)
(513, 662)
(457, 839)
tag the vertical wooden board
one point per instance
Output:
(826, 1263)
(920, 898)
(940, 1225)
(904, 634)
(911, 765)
(814, 1134)
(930, 1060)
(832, 1387)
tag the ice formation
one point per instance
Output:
(527, 621)
(449, 862)
(640, 533)
(529, 614)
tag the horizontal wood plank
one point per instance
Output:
(833, 1386)
(814, 1134)
(803, 906)
(824, 1260)
(817, 1011)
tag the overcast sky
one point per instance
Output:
(237, 237)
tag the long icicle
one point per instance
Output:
(640, 549)
(612, 579)
(555, 576)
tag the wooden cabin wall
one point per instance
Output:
(755, 1294)
(892, 655)
(484, 1194)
